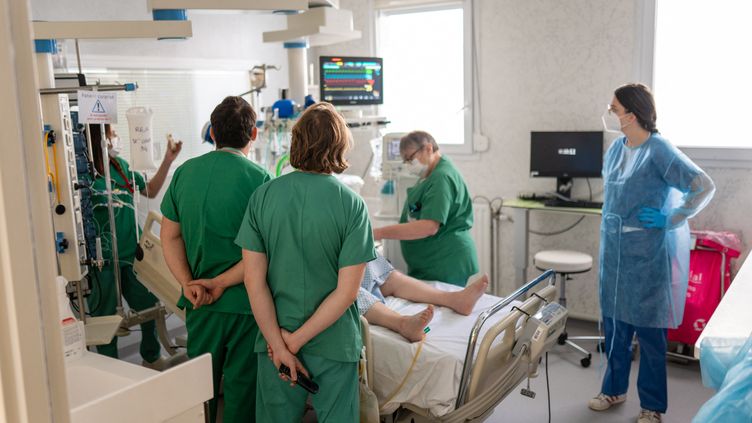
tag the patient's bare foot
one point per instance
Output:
(464, 301)
(412, 327)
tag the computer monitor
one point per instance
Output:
(566, 155)
(351, 80)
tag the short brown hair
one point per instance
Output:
(417, 139)
(232, 122)
(320, 140)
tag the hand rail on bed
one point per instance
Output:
(473, 339)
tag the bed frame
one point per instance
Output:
(495, 371)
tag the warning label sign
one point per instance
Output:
(97, 107)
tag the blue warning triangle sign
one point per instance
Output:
(98, 108)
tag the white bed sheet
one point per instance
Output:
(434, 381)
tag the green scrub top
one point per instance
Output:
(309, 226)
(208, 196)
(124, 189)
(449, 255)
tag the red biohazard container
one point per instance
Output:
(709, 279)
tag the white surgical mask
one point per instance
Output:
(417, 168)
(611, 122)
(115, 147)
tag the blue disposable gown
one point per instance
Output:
(644, 271)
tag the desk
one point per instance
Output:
(520, 215)
(733, 317)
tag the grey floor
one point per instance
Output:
(128, 345)
(571, 386)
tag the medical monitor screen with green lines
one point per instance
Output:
(351, 80)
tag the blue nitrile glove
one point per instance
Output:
(652, 218)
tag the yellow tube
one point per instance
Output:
(50, 176)
(54, 161)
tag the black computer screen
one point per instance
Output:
(566, 154)
(351, 80)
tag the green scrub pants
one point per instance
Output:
(229, 338)
(103, 302)
(336, 402)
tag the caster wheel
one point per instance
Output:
(562, 338)
(601, 347)
(585, 362)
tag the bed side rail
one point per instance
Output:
(151, 269)
(474, 334)
(508, 325)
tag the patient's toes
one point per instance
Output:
(413, 326)
(478, 286)
(427, 314)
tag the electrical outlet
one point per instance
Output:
(480, 142)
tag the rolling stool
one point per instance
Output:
(565, 263)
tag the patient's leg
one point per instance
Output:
(402, 286)
(411, 327)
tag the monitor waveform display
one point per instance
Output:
(351, 80)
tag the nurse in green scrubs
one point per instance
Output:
(306, 239)
(434, 228)
(125, 185)
(203, 209)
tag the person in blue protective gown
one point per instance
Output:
(650, 190)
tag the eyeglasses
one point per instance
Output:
(412, 156)
(613, 111)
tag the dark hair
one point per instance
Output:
(233, 121)
(638, 100)
(417, 139)
(320, 140)
(96, 144)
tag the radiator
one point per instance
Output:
(481, 233)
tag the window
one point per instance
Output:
(702, 71)
(182, 102)
(427, 77)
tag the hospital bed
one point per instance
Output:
(450, 381)
(442, 378)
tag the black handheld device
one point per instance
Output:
(303, 380)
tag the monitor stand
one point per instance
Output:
(564, 186)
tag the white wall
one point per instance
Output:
(551, 65)
(546, 65)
